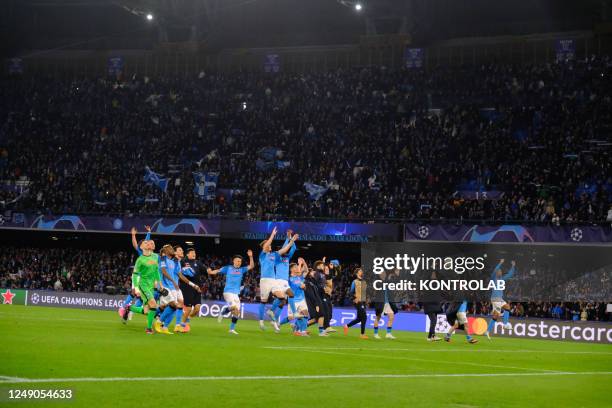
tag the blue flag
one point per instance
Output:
(205, 184)
(283, 164)
(268, 153)
(315, 191)
(264, 165)
(152, 177)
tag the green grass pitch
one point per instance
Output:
(107, 363)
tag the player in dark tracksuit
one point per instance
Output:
(190, 280)
(314, 301)
(431, 307)
(358, 289)
(324, 282)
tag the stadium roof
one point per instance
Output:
(102, 24)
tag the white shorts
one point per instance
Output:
(497, 306)
(301, 308)
(232, 300)
(172, 296)
(280, 285)
(265, 287)
(387, 309)
(462, 318)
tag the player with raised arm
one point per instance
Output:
(499, 305)
(300, 308)
(233, 279)
(456, 315)
(131, 298)
(267, 262)
(281, 289)
(146, 272)
(190, 281)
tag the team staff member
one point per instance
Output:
(314, 301)
(358, 288)
(330, 274)
(325, 285)
(431, 307)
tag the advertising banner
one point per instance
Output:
(13, 296)
(257, 230)
(542, 329)
(340, 316)
(312, 231)
(77, 300)
(83, 223)
(548, 329)
(507, 233)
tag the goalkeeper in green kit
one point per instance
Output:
(145, 279)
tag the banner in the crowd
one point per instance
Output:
(15, 66)
(507, 233)
(155, 179)
(206, 184)
(115, 65)
(413, 57)
(272, 63)
(565, 49)
(479, 194)
(311, 231)
(13, 296)
(315, 191)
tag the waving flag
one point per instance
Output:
(152, 177)
(315, 191)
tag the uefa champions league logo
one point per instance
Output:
(423, 231)
(576, 234)
(117, 224)
(34, 299)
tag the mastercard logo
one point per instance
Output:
(477, 325)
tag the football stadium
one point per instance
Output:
(323, 203)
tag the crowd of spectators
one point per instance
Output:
(383, 143)
(83, 270)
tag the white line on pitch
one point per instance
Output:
(5, 378)
(292, 377)
(306, 348)
(460, 363)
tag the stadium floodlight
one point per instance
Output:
(149, 16)
(356, 5)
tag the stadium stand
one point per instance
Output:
(494, 142)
